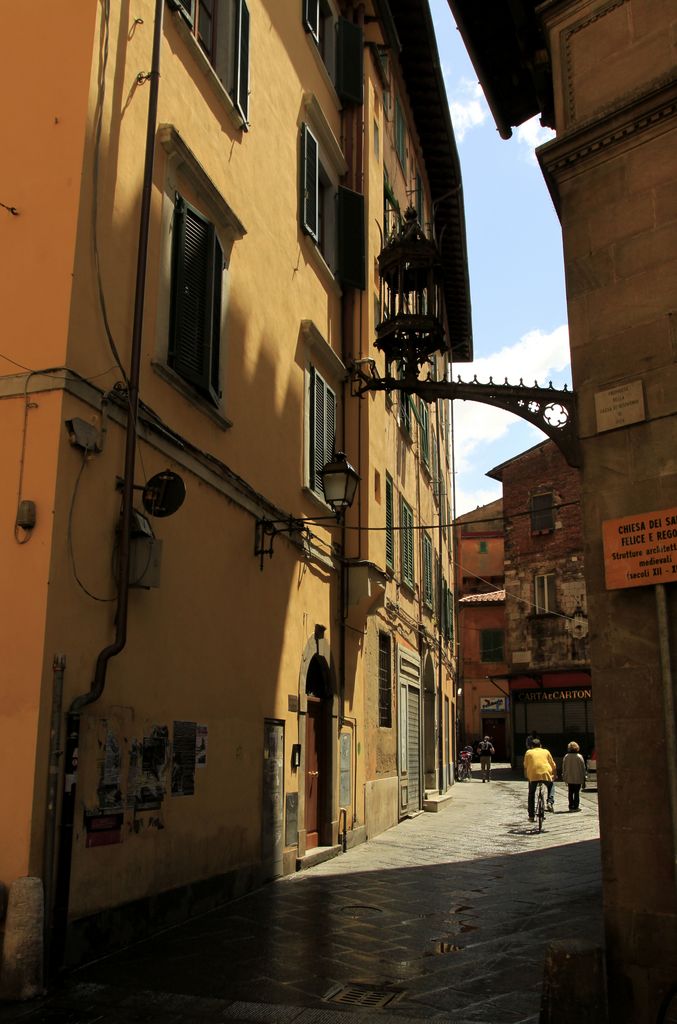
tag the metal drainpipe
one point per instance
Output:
(60, 917)
(48, 875)
(669, 701)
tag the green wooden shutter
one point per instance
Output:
(349, 63)
(407, 543)
(427, 570)
(351, 239)
(390, 533)
(240, 92)
(311, 18)
(424, 432)
(196, 300)
(450, 614)
(309, 182)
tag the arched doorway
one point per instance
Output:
(429, 744)
(317, 753)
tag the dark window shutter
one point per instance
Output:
(196, 300)
(322, 428)
(309, 182)
(311, 18)
(240, 95)
(385, 699)
(390, 534)
(351, 239)
(217, 278)
(330, 425)
(317, 387)
(187, 8)
(349, 63)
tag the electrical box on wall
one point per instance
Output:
(145, 562)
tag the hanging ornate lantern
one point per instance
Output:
(411, 327)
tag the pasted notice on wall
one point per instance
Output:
(183, 758)
(108, 791)
(201, 746)
(146, 783)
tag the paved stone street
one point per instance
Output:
(445, 917)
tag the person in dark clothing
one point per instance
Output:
(485, 751)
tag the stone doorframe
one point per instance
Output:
(430, 724)
(319, 646)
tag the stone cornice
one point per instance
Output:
(611, 130)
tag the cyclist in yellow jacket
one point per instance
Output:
(539, 767)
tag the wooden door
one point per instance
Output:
(314, 765)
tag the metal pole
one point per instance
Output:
(669, 702)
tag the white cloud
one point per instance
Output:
(467, 500)
(537, 356)
(532, 134)
(468, 108)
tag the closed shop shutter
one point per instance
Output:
(413, 748)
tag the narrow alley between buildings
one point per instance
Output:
(446, 917)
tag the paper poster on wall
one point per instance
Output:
(201, 746)
(183, 758)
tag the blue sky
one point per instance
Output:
(516, 271)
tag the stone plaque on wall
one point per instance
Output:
(620, 406)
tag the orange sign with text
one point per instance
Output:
(640, 550)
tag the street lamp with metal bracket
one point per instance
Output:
(339, 483)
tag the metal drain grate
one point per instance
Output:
(361, 994)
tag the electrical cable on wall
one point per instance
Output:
(69, 536)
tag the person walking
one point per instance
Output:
(539, 767)
(485, 751)
(574, 774)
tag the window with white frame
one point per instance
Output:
(222, 29)
(199, 229)
(195, 319)
(544, 593)
(323, 375)
(331, 215)
(340, 46)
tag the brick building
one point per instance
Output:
(546, 649)
(481, 627)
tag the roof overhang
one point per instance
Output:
(508, 49)
(422, 71)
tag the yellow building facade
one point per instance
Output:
(269, 690)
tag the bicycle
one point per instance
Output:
(540, 805)
(463, 769)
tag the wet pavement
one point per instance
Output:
(445, 917)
